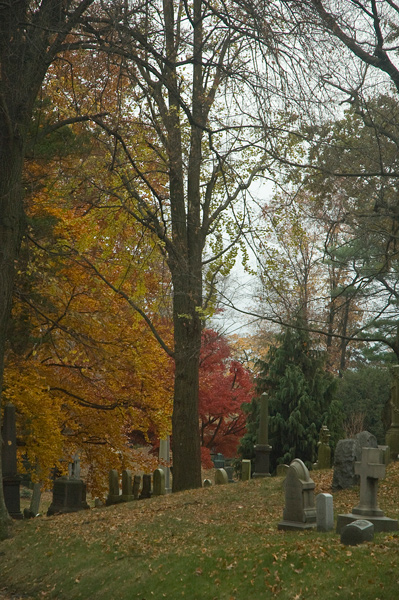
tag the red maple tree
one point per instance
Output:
(224, 386)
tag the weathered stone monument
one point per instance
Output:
(323, 450)
(11, 479)
(221, 477)
(69, 495)
(164, 457)
(158, 482)
(245, 470)
(299, 511)
(127, 486)
(324, 512)
(114, 496)
(392, 435)
(347, 453)
(33, 510)
(281, 470)
(146, 489)
(262, 448)
(136, 486)
(207, 483)
(370, 469)
(357, 532)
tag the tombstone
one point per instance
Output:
(281, 470)
(158, 484)
(146, 491)
(357, 532)
(207, 483)
(299, 511)
(262, 448)
(219, 461)
(370, 469)
(324, 512)
(74, 468)
(230, 474)
(386, 454)
(33, 510)
(136, 486)
(127, 486)
(114, 496)
(323, 450)
(347, 453)
(11, 479)
(221, 477)
(392, 435)
(245, 470)
(164, 455)
(69, 495)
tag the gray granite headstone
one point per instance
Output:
(33, 510)
(127, 486)
(347, 452)
(69, 495)
(357, 532)
(245, 470)
(324, 512)
(207, 483)
(158, 482)
(221, 477)
(146, 490)
(299, 511)
(281, 470)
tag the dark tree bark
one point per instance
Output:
(31, 35)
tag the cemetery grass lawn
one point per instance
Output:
(218, 543)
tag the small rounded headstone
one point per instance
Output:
(207, 483)
(221, 477)
(357, 532)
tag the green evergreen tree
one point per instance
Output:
(301, 399)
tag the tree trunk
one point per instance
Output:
(11, 223)
(185, 418)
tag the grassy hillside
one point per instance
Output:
(217, 543)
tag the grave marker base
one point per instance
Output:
(295, 525)
(380, 523)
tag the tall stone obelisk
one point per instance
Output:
(392, 435)
(262, 448)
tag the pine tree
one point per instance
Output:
(300, 398)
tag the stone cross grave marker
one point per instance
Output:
(299, 511)
(370, 469)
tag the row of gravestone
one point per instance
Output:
(301, 512)
(135, 487)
